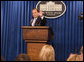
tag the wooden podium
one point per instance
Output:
(36, 37)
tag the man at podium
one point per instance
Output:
(39, 19)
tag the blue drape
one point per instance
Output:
(68, 29)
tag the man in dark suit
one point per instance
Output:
(39, 19)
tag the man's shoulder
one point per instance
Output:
(31, 21)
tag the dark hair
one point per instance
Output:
(2, 59)
(36, 9)
(22, 57)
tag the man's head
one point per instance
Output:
(35, 13)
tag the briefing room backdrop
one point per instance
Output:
(68, 29)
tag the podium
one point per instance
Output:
(36, 37)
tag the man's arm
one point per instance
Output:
(43, 21)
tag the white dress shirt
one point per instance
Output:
(33, 23)
(34, 20)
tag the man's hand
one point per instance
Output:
(40, 13)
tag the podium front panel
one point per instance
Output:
(33, 50)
